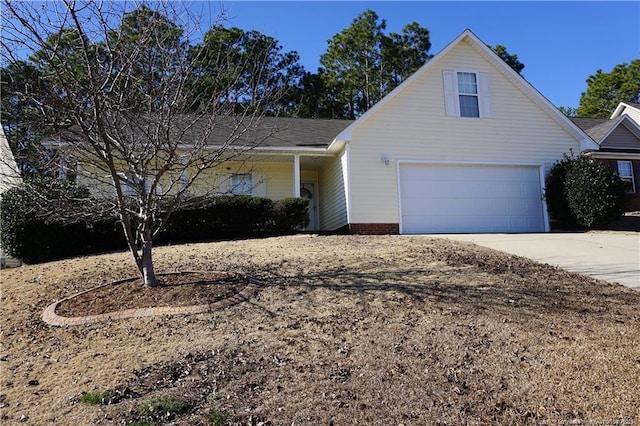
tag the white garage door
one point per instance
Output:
(438, 198)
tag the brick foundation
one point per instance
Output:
(374, 228)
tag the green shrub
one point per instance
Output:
(224, 216)
(557, 203)
(13, 217)
(229, 216)
(31, 232)
(98, 397)
(584, 192)
(140, 422)
(595, 192)
(290, 215)
(165, 408)
(240, 216)
(216, 417)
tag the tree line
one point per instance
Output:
(361, 65)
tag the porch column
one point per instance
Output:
(296, 175)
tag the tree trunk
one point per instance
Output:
(148, 274)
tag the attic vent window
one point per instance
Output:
(468, 94)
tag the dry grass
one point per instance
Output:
(346, 330)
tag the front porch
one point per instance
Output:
(294, 174)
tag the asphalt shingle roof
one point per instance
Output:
(292, 132)
(596, 128)
(284, 132)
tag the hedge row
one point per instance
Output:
(236, 216)
(35, 241)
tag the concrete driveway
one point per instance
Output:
(610, 256)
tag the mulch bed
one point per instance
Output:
(177, 289)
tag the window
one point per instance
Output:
(67, 167)
(184, 176)
(468, 94)
(625, 171)
(241, 184)
(128, 187)
(131, 186)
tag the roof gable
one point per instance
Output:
(622, 106)
(619, 133)
(487, 54)
(625, 135)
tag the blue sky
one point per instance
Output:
(560, 43)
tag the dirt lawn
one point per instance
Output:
(344, 330)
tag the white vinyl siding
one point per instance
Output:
(9, 175)
(414, 126)
(333, 205)
(633, 113)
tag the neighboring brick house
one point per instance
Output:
(619, 141)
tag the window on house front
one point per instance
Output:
(66, 166)
(67, 172)
(241, 184)
(468, 94)
(625, 171)
(184, 177)
(131, 186)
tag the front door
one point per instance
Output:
(308, 191)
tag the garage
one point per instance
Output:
(470, 198)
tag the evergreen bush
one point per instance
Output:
(584, 192)
(290, 215)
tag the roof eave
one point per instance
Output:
(620, 155)
(267, 149)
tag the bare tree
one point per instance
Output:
(125, 104)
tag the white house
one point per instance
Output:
(9, 174)
(9, 177)
(461, 146)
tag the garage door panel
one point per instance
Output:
(470, 198)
